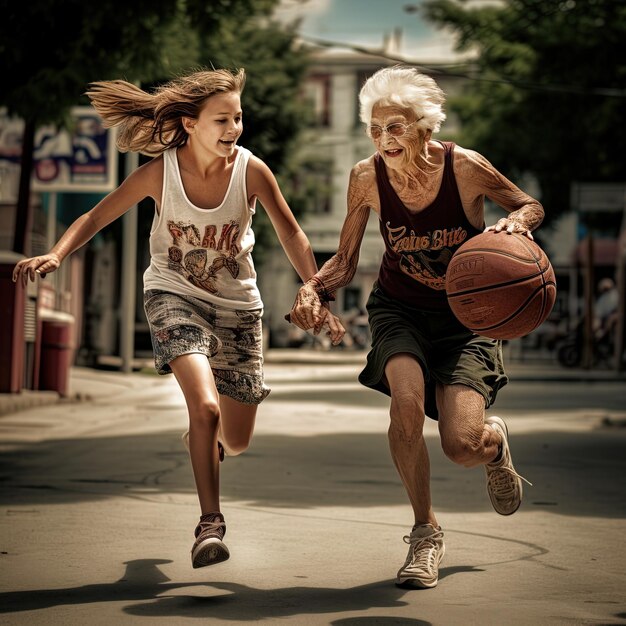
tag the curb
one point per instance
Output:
(26, 399)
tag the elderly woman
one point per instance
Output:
(429, 199)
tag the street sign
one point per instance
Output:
(598, 197)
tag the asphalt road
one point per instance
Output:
(97, 509)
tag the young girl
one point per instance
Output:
(200, 290)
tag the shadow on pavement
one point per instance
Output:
(144, 581)
(574, 473)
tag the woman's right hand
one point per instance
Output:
(35, 266)
(307, 311)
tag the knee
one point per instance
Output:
(234, 446)
(406, 402)
(461, 450)
(204, 414)
(407, 417)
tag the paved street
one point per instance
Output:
(98, 508)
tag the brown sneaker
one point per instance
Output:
(209, 547)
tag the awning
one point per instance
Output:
(605, 251)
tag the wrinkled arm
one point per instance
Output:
(339, 270)
(481, 178)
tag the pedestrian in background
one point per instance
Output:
(429, 199)
(201, 296)
(606, 308)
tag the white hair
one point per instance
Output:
(405, 87)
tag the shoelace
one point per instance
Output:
(423, 559)
(500, 484)
(211, 527)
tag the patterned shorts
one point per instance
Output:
(230, 338)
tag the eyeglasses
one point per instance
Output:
(395, 130)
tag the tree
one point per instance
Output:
(548, 93)
(143, 41)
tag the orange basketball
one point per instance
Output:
(500, 285)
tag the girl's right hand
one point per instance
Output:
(35, 266)
(334, 328)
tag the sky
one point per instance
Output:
(366, 22)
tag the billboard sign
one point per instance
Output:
(80, 159)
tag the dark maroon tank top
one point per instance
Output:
(419, 246)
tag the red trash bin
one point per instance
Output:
(57, 351)
(12, 346)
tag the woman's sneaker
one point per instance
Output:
(504, 484)
(426, 549)
(209, 547)
(220, 447)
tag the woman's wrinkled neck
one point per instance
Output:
(418, 169)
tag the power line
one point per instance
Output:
(441, 69)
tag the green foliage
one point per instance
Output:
(549, 93)
(149, 41)
(51, 49)
(78, 42)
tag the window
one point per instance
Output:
(317, 91)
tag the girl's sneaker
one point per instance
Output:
(209, 547)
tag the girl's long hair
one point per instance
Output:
(150, 123)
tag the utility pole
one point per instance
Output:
(129, 275)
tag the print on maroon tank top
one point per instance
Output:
(419, 246)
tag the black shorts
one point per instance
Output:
(448, 352)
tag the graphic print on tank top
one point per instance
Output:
(188, 253)
(425, 257)
(419, 244)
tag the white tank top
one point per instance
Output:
(204, 253)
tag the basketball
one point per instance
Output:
(500, 285)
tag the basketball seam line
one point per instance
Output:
(507, 284)
(520, 308)
(522, 239)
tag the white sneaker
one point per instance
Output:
(504, 484)
(421, 568)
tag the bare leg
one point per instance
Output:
(469, 441)
(406, 438)
(195, 378)
(465, 437)
(236, 425)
